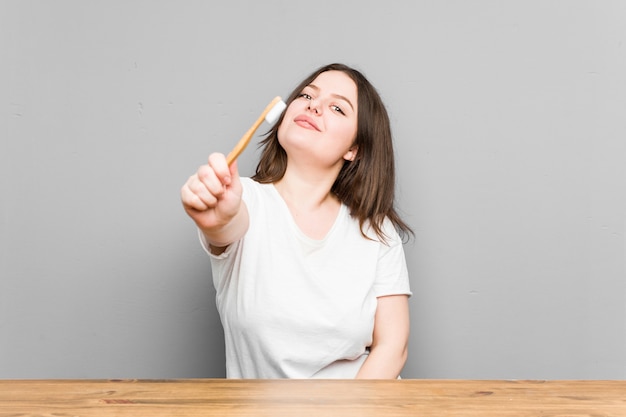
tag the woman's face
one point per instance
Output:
(321, 123)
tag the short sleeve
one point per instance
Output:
(392, 277)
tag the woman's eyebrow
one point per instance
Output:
(339, 96)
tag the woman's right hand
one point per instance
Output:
(212, 196)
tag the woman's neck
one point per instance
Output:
(309, 190)
(304, 195)
(312, 205)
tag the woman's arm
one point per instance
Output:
(390, 340)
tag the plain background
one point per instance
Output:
(509, 120)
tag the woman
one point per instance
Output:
(307, 255)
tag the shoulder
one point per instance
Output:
(391, 237)
(258, 196)
(252, 190)
(248, 183)
(251, 185)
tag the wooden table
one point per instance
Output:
(301, 398)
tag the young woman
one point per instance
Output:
(307, 255)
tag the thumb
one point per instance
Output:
(234, 175)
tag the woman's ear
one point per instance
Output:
(351, 154)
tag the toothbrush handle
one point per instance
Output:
(245, 139)
(243, 142)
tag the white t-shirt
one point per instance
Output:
(295, 307)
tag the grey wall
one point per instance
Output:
(510, 128)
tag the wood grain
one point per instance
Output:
(302, 398)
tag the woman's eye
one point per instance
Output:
(305, 95)
(337, 109)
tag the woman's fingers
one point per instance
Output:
(207, 186)
(217, 162)
(190, 194)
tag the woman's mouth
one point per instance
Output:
(306, 122)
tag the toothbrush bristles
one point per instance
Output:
(276, 111)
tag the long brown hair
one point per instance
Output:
(366, 185)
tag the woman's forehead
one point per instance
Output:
(336, 83)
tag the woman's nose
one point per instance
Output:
(314, 106)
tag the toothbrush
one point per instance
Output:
(270, 114)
